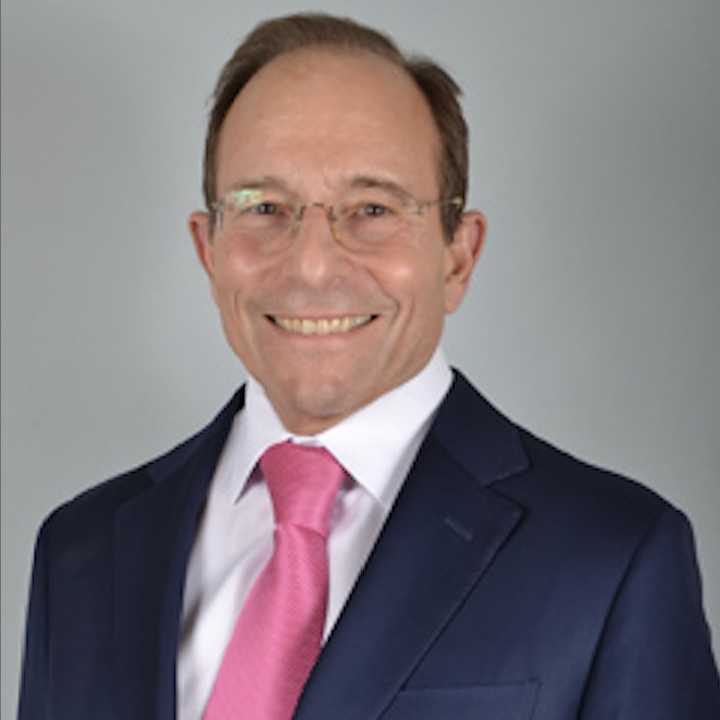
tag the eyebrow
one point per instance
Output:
(362, 181)
(267, 182)
(373, 182)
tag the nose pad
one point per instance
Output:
(332, 219)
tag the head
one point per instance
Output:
(328, 120)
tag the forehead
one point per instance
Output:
(324, 109)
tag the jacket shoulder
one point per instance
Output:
(93, 509)
(544, 479)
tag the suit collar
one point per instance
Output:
(444, 532)
(477, 436)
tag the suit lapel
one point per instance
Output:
(445, 530)
(154, 533)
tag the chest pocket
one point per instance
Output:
(514, 701)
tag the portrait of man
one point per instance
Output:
(359, 532)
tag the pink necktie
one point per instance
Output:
(277, 637)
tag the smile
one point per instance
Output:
(322, 326)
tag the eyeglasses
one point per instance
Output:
(365, 217)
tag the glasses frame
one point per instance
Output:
(217, 209)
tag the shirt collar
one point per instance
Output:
(376, 445)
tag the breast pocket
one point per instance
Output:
(513, 701)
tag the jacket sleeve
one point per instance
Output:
(655, 659)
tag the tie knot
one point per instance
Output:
(303, 482)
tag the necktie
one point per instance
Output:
(278, 635)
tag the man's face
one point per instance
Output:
(326, 328)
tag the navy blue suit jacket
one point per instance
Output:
(511, 582)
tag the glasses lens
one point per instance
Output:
(373, 218)
(256, 214)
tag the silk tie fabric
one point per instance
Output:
(278, 634)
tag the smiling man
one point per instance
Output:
(358, 534)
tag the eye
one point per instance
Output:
(263, 208)
(374, 210)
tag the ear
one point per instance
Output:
(462, 254)
(199, 224)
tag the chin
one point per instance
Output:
(317, 406)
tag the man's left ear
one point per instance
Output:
(462, 254)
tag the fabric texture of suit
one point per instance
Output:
(510, 582)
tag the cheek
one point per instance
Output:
(222, 290)
(410, 273)
(229, 293)
(422, 281)
(233, 278)
(417, 289)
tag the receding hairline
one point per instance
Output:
(293, 58)
(341, 51)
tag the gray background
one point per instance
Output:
(594, 316)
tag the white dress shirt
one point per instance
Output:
(376, 445)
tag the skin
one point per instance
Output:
(324, 329)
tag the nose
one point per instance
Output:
(317, 254)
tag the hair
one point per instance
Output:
(276, 37)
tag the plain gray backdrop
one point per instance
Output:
(594, 318)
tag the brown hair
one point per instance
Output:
(279, 36)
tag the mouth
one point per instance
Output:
(321, 326)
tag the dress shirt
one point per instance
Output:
(376, 445)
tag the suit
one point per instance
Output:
(509, 582)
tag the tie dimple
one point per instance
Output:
(303, 482)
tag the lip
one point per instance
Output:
(321, 326)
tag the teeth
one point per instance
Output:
(323, 326)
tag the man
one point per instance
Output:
(472, 571)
